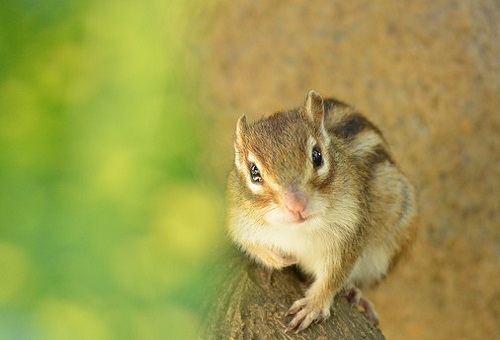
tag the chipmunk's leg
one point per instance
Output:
(270, 258)
(356, 299)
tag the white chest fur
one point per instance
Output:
(303, 241)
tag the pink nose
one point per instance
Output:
(295, 202)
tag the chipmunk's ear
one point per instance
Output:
(239, 141)
(314, 109)
(241, 132)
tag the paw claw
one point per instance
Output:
(291, 326)
(305, 323)
(297, 306)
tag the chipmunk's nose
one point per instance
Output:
(295, 202)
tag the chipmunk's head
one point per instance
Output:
(285, 162)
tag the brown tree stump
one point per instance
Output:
(252, 303)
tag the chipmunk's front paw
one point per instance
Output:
(306, 312)
(270, 258)
(277, 261)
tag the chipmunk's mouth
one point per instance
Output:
(284, 217)
(300, 218)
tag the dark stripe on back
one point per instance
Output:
(379, 155)
(353, 124)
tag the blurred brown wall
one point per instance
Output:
(426, 72)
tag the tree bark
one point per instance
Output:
(252, 303)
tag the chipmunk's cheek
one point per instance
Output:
(278, 216)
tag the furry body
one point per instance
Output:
(345, 220)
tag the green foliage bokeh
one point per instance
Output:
(105, 225)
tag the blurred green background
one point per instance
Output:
(107, 221)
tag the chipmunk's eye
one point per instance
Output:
(255, 174)
(317, 159)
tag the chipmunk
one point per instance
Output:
(317, 186)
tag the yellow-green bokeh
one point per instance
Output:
(106, 221)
